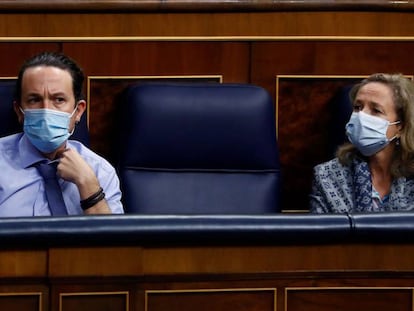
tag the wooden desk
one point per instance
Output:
(73, 273)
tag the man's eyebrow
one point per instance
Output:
(32, 94)
(41, 95)
(59, 94)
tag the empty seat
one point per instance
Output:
(198, 149)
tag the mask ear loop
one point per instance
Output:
(76, 108)
(76, 122)
(395, 137)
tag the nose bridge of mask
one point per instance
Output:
(51, 111)
(47, 117)
(47, 129)
(368, 133)
(377, 120)
(374, 122)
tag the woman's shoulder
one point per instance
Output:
(333, 170)
(331, 165)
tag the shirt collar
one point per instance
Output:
(29, 155)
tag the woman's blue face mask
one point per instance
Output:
(47, 129)
(368, 133)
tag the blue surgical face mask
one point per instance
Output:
(47, 129)
(368, 133)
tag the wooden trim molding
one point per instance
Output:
(20, 295)
(66, 296)
(201, 5)
(205, 292)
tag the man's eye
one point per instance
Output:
(60, 99)
(33, 100)
(357, 107)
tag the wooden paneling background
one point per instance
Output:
(305, 276)
(246, 42)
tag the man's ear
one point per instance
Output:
(80, 109)
(17, 110)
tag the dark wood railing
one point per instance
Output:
(203, 5)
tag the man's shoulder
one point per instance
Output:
(80, 148)
(10, 141)
(84, 151)
(89, 155)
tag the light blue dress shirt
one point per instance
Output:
(22, 191)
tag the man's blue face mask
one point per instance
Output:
(47, 129)
(368, 133)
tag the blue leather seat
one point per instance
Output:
(199, 149)
(341, 110)
(8, 119)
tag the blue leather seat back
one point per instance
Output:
(8, 119)
(199, 148)
(341, 110)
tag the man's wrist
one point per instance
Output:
(92, 199)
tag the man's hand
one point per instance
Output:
(72, 167)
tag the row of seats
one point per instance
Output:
(194, 148)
